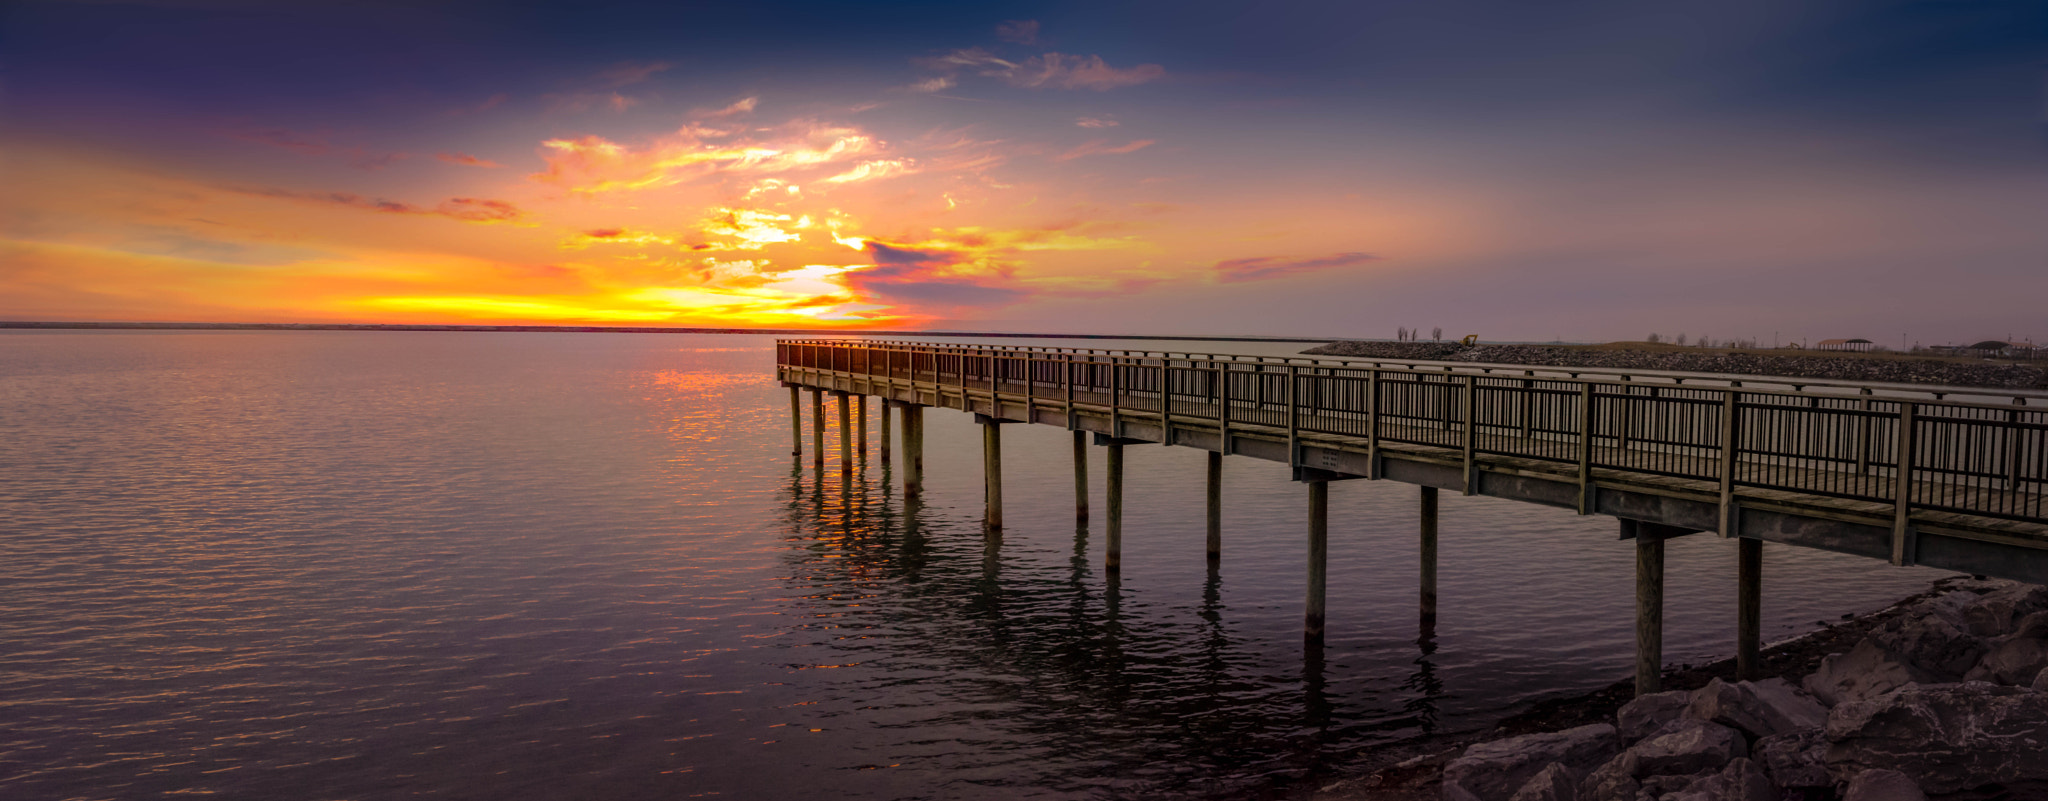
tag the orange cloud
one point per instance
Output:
(1263, 267)
(592, 164)
(1100, 147)
(466, 160)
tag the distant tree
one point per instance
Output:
(1653, 339)
(1436, 334)
(1703, 341)
(1681, 337)
(1401, 334)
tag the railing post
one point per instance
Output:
(1030, 389)
(1730, 409)
(1585, 448)
(1116, 398)
(1863, 436)
(1528, 407)
(1902, 489)
(1293, 419)
(1068, 375)
(1223, 409)
(1372, 424)
(1471, 427)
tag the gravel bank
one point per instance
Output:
(1888, 369)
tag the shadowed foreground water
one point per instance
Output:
(538, 566)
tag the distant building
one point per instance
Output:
(1845, 344)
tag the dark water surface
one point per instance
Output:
(328, 565)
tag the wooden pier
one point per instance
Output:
(1883, 471)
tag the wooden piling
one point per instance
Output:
(992, 471)
(1649, 611)
(796, 421)
(913, 451)
(1215, 506)
(1113, 559)
(818, 425)
(1081, 475)
(1318, 558)
(845, 428)
(886, 404)
(1429, 553)
(860, 424)
(1749, 593)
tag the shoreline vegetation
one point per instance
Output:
(1946, 690)
(1885, 367)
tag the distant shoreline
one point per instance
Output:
(604, 329)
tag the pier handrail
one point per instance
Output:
(1979, 459)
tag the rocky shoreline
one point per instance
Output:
(1894, 369)
(1942, 696)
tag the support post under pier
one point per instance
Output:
(1318, 559)
(845, 429)
(860, 424)
(1649, 611)
(818, 425)
(1081, 476)
(1113, 558)
(796, 421)
(992, 470)
(913, 451)
(886, 405)
(1429, 554)
(1749, 590)
(1215, 507)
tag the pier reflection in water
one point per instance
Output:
(1054, 672)
(542, 566)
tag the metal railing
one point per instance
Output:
(1980, 459)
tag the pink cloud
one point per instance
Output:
(627, 74)
(1048, 71)
(466, 160)
(1100, 147)
(1097, 122)
(466, 209)
(1263, 267)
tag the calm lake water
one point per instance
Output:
(353, 565)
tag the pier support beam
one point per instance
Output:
(992, 470)
(845, 428)
(1649, 611)
(1749, 592)
(818, 425)
(1215, 507)
(913, 451)
(1318, 559)
(1429, 555)
(860, 424)
(796, 421)
(1113, 558)
(886, 405)
(1081, 476)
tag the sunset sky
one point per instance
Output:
(1522, 171)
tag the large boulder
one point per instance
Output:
(1945, 737)
(1795, 759)
(2013, 661)
(1933, 641)
(2041, 681)
(1882, 785)
(1494, 771)
(1686, 746)
(1866, 671)
(1554, 783)
(1644, 715)
(1614, 781)
(1759, 708)
(2003, 604)
(1741, 780)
